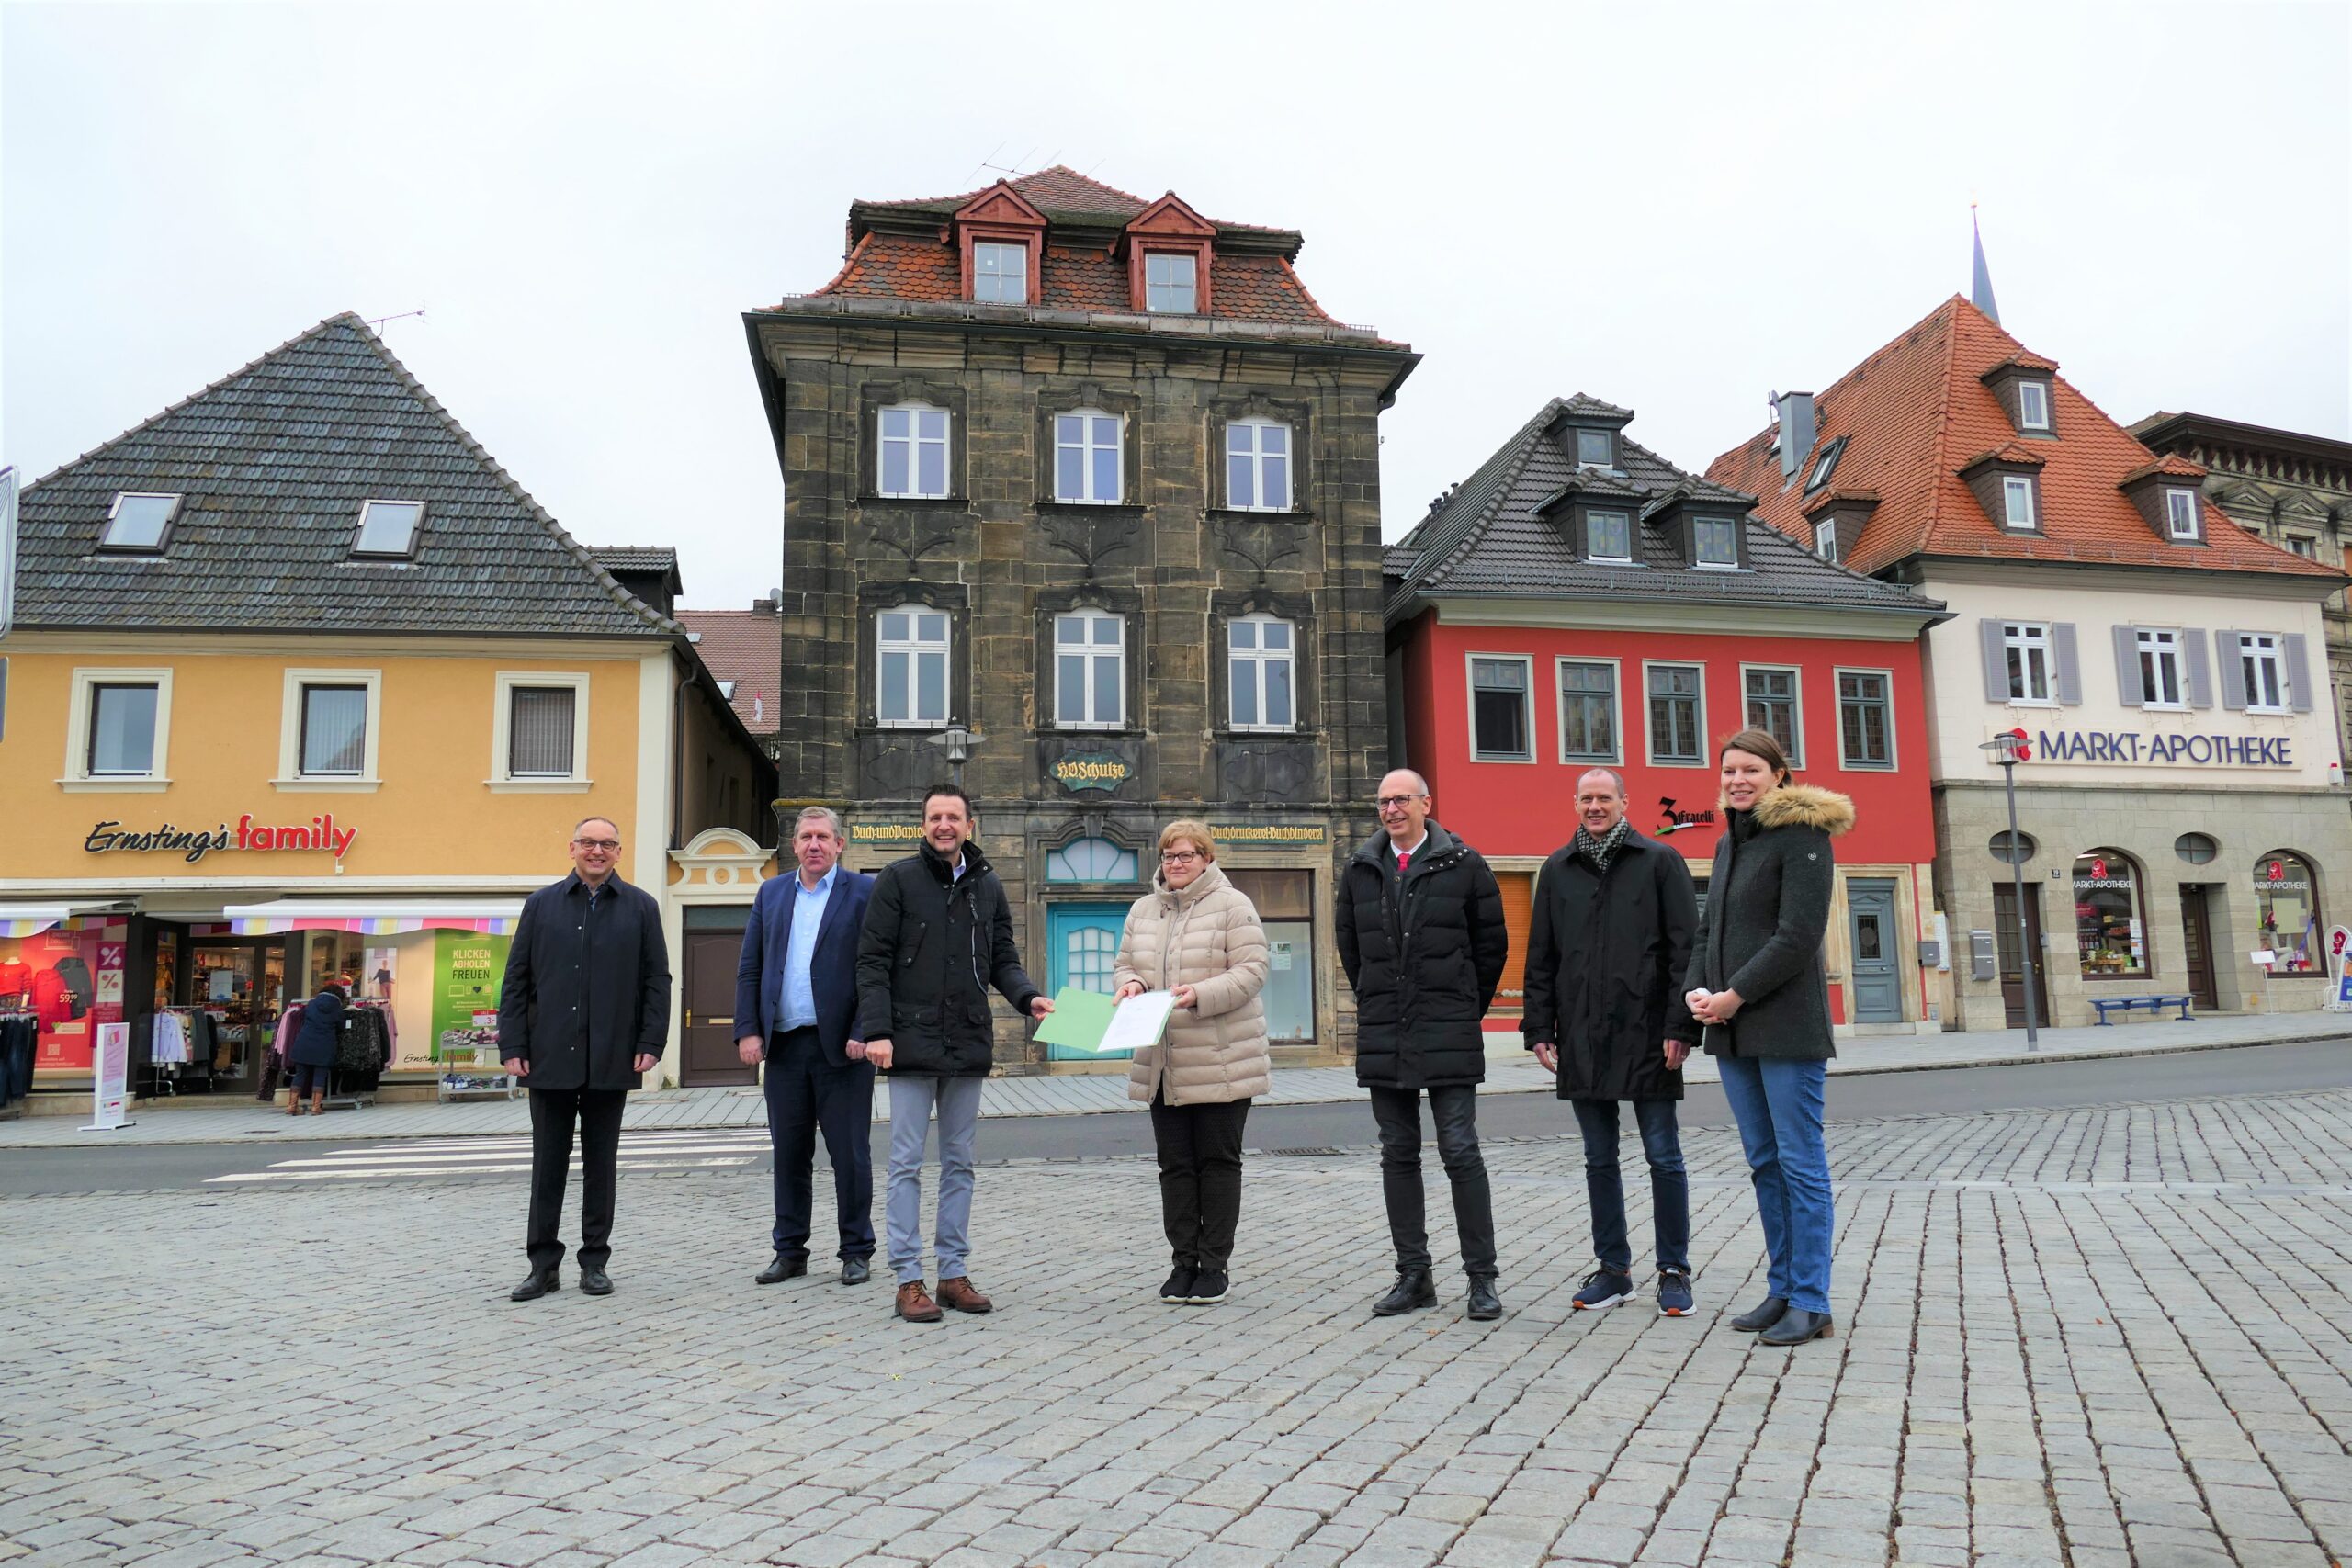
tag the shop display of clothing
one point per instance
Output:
(19, 1034)
(168, 1044)
(364, 1049)
(16, 978)
(287, 1026)
(53, 998)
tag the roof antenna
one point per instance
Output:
(984, 163)
(378, 322)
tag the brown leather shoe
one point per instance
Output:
(958, 1294)
(915, 1303)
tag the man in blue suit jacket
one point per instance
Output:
(796, 1006)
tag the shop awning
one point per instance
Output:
(31, 919)
(375, 917)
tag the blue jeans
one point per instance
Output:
(1669, 1187)
(911, 1099)
(1778, 1103)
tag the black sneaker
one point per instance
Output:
(1674, 1293)
(1604, 1287)
(1208, 1288)
(1179, 1289)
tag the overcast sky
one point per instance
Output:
(1672, 208)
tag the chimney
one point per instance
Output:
(1796, 430)
(763, 606)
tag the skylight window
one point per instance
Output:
(139, 522)
(1826, 466)
(387, 528)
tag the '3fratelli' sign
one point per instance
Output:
(2200, 750)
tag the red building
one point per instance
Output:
(1580, 602)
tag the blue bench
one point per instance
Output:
(2125, 1004)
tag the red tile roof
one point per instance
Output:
(1915, 412)
(747, 647)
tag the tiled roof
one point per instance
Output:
(636, 557)
(1057, 192)
(1917, 412)
(273, 463)
(1490, 539)
(747, 647)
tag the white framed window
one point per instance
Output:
(139, 522)
(911, 647)
(1592, 448)
(1169, 282)
(1677, 703)
(328, 726)
(1716, 541)
(1866, 718)
(1825, 538)
(2033, 405)
(1257, 466)
(2026, 655)
(999, 273)
(1502, 715)
(2303, 545)
(1775, 705)
(1087, 457)
(539, 731)
(1587, 710)
(2181, 521)
(1089, 670)
(2262, 665)
(2161, 683)
(387, 528)
(118, 731)
(1261, 667)
(1609, 537)
(911, 456)
(2017, 503)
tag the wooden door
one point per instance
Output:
(2197, 943)
(2012, 960)
(707, 1045)
(1518, 915)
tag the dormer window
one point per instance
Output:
(2018, 512)
(1593, 449)
(1714, 541)
(1609, 537)
(2033, 406)
(999, 273)
(139, 523)
(1825, 538)
(2181, 519)
(388, 529)
(1171, 282)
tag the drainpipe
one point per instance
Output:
(678, 754)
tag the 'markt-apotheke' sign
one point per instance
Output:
(2197, 750)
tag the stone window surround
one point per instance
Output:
(872, 397)
(1299, 609)
(873, 598)
(1223, 409)
(1126, 407)
(1127, 605)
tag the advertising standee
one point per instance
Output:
(110, 1068)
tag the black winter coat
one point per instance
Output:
(586, 992)
(933, 944)
(315, 1037)
(1606, 957)
(1425, 953)
(1768, 908)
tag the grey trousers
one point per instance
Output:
(913, 1100)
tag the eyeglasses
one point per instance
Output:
(1178, 857)
(607, 845)
(1398, 801)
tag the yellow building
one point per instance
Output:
(302, 687)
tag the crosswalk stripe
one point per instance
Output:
(279, 1174)
(679, 1148)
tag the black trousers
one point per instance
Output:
(1200, 1179)
(553, 1112)
(1455, 1109)
(807, 1095)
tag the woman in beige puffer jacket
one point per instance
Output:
(1198, 935)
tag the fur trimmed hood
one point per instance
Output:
(1803, 805)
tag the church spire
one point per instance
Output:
(1980, 287)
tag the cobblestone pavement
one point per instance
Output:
(2098, 1337)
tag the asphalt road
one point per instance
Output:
(2188, 1075)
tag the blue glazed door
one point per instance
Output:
(1082, 942)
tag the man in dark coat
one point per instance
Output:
(796, 1007)
(938, 933)
(1607, 947)
(1421, 937)
(583, 1012)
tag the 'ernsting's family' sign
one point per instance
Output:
(319, 833)
(2116, 745)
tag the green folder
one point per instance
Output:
(1078, 1021)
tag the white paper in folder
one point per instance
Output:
(1139, 1022)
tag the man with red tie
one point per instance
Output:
(1421, 937)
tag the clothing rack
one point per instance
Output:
(20, 1039)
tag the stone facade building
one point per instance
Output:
(1082, 508)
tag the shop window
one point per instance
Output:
(2286, 898)
(1501, 723)
(2110, 933)
(1091, 859)
(1001, 274)
(2012, 849)
(913, 452)
(1170, 283)
(1865, 719)
(1089, 670)
(910, 665)
(1257, 466)
(1772, 707)
(1588, 711)
(1260, 665)
(2197, 849)
(139, 524)
(1285, 904)
(1677, 714)
(1087, 457)
(387, 528)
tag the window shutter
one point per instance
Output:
(2127, 668)
(1996, 663)
(2200, 673)
(2297, 654)
(2069, 667)
(2233, 672)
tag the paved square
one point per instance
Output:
(2097, 1336)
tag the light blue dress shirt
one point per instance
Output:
(800, 1010)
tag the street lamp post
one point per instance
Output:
(959, 751)
(2008, 750)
